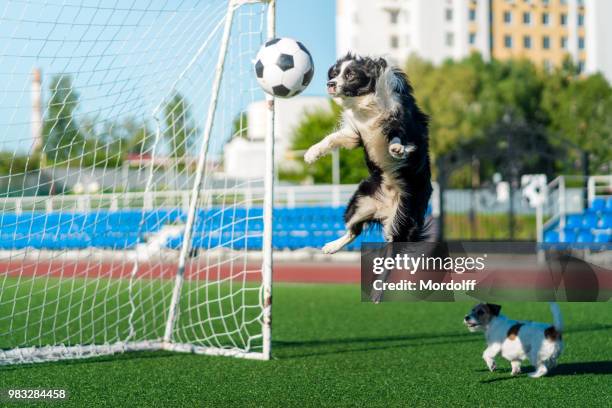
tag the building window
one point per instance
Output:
(393, 16)
(545, 2)
(394, 41)
(507, 17)
(545, 18)
(508, 41)
(527, 41)
(580, 67)
(472, 14)
(449, 14)
(546, 42)
(527, 18)
(547, 65)
(564, 43)
(580, 20)
(472, 38)
(563, 19)
(450, 39)
(581, 43)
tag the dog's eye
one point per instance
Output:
(349, 75)
(479, 313)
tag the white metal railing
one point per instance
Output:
(556, 206)
(598, 186)
(289, 196)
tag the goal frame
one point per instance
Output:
(35, 354)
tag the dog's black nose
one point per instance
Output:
(331, 83)
(466, 318)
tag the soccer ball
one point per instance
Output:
(283, 67)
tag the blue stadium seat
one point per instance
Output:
(606, 221)
(590, 221)
(569, 236)
(551, 237)
(585, 237)
(598, 204)
(573, 221)
(609, 204)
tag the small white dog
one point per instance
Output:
(518, 340)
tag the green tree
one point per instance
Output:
(580, 110)
(180, 131)
(240, 125)
(139, 138)
(61, 135)
(313, 127)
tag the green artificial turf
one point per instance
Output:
(331, 350)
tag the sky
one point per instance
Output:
(313, 23)
(122, 60)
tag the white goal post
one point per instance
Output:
(129, 102)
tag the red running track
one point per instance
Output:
(283, 272)
(301, 272)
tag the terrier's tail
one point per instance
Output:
(556, 314)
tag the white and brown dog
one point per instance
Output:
(518, 340)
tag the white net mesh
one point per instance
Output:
(103, 109)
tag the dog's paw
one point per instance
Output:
(399, 151)
(313, 154)
(329, 248)
(332, 247)
(492, 366)
(516, 370)
(539, 372)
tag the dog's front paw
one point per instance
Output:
(313, 154)
(491, 365)
(331, 247)
(399, 151)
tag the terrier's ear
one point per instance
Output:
(494, 308)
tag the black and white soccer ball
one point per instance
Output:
(283, 67)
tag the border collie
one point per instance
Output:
(380, 114)
(518, 340)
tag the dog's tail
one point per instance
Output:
(556, 314)
(427, 232)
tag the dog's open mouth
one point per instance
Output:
(471, 325)
(331, 90)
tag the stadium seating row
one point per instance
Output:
(237, 228)
(593, 227)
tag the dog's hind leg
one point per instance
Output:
(540, 371)
(360, 211)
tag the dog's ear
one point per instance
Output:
(381, 64)
(494, 308)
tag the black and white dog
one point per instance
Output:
(380, 114)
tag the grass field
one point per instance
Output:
(331, 350)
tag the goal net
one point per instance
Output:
(122, 227)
